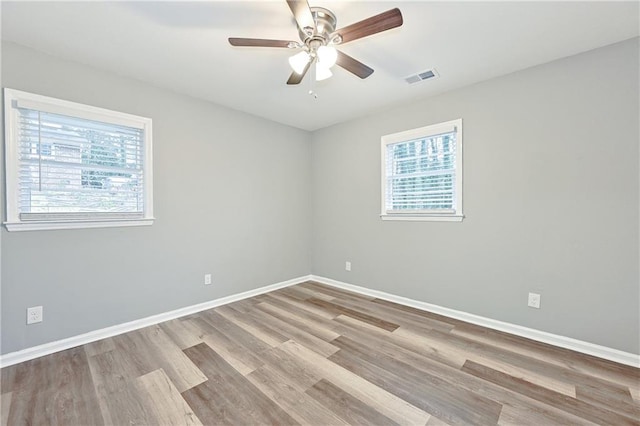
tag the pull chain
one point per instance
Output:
(312, 79)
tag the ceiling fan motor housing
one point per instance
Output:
(325, 21)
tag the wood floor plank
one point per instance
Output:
(99, 346)
(5, 404)
(240, 358)
(227, 397)
(418, 312)
(168, 356)
(336, 293)
(234, 333)
(149, 349)
(486, 357)
(429, 393)
(283, 364)
(308, 340)
(258, 329)
(555, 399)
(581, 363)
(310, 326)
(378, 322)
(245, 305)
(119, 403)
(434, 421)
(395, 340)
(321, 321)
(306, 293)
(350, 409)
(163, 400)
(407, 320)
(133, 355)
(537, 415)
(397, 409)
(609, 397)
(303, 408)
(8, 376)
(182, 333)
(316, 310)
(56, 389)
(546, 374)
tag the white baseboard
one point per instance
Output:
(82, 339)
(599, 351)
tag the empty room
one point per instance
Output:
(292, 212)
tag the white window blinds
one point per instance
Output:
(422, 172)
(76, 168)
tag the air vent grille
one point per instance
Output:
(422, 76)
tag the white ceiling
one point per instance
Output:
(183, 46)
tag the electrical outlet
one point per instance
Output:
(534, 300)
(207, 279)
(347, 266)
(34, 314)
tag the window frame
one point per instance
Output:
(412, 134)
(13, 221)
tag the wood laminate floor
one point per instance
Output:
(312, 354)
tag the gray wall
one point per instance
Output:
(550, 197)
(231, 198)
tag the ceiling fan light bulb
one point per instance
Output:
(322, 72)
(299, 61)
(327, 56)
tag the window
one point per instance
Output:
(422, 173)
(70, 165)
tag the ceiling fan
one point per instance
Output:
(318, 35)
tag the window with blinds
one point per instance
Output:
(71, 165)
(422, 173)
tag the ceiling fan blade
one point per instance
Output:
(353, 66)
(296, 78)
(375, 24)
(302, 14)
(260, 42)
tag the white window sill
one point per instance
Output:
(76, 224)
(423, 218)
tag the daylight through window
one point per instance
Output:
(422, 173)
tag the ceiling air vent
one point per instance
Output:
(421, 76)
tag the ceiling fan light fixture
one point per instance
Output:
(327, 55)
(322, 72)
(299, 61)
(317, 33)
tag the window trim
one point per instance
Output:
(13, 98)
(407, 135)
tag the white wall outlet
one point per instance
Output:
(347, 266)
(534, 300)
(207, 279)
(34, 314)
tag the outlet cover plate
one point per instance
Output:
(207, 279)
(347, 266)
(34, 315)
(534, 300)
